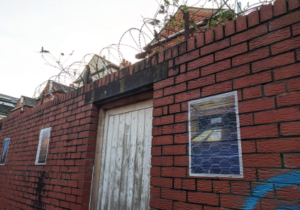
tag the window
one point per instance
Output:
(42, 151)
(214, 142)
(4, 151)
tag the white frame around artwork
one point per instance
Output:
(2, 164)
(241, 175)
(39, 146)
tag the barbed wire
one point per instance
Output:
(167, 20)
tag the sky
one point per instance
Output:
(61, 26)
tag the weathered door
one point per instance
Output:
(126, 158)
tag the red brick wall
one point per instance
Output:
(64, 182)
(259, 57)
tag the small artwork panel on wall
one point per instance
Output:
(4, 151)
(214, 137)
(42, 151)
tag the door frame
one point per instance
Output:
(145, 100)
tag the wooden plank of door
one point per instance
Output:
(138, 171)
(145, 194)
(118, 165)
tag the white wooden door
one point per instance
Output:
(126, 158)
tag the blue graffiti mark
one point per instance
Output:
(280, 181)
(288, 207)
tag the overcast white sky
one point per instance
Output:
(85, 26)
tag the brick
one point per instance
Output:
(162, 140)
(158, 93)
(251, 56)
(255, 132)
(201, 82)
(188, 95)
(163, 101)
(280, 115)
(252, 80)
(270, 38)
(216, 67)
(177, 183)
(230, 28)
(293, 4)
(155, 171)
(246, 119)
(273, 62)
(155, 151)
(253, 92)
(157, 112)
(298, 54)
(174, 150)
(266, 12)
(181, 138)
(290, 129)
(274, 88)
(240, 188)
(256, 105)
(221, 187)
(219, 32)
(203, 61)
(294, 84)
(187, 57)
(231, 201)
(217, 88)
(288, 99)
(176, 128)
(279, 7)
(173, 172)
(200, 40)
(189, 184)
(173, 71)
(204, 185)
(278, 145)
(233, 73)
(215, 47)
(261, 160)
(155, 192)
(181, 117)
(249, 34)
(203, 198)
(209, 36)
(288, 193)
(161, 203)
(241, 23)
(248, 147)
(178, 195)
(182, 48)
(162, 161)
(182, 68)
(187, 76)
(161, 182)
(231, 51)
(174, 108)
(283, 21)
(175, 89)
(163, 83)
(186, 206)
(181, 161)
(175, 51)
(287, 71)
(285, 45)
(253, 19)
(191, 44)
(292, 160)
(165, 110)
